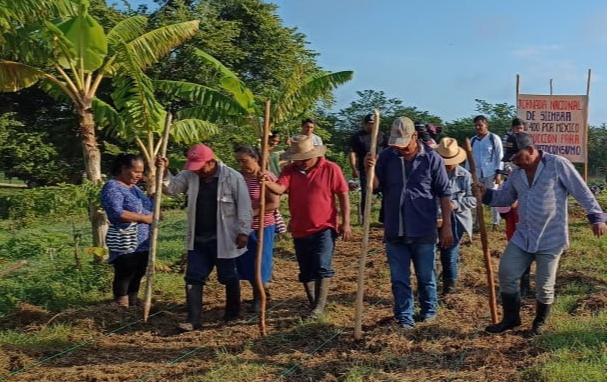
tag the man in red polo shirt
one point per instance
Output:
(312, 183)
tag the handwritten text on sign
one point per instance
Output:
(557, 123)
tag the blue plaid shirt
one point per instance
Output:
(542, 208)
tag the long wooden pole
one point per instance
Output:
(481, 224)
(263, 330)
(147, 304)
(362, 260)
(13, 268)
(586, 138)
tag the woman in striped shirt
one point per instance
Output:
(248, 159)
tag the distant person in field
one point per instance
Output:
(127, 206)
(219, 218)
(541, 183)
(307, 130)
(510, 213)
(487, 151)
(462, 204)
(414, 181)
(360, 144)
(314, 184)
(275, 150)
(275, 165)
(248, 159)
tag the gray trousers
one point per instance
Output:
(489, 184)
(513, 263)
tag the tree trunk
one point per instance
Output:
(92, 167)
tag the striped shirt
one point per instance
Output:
(542, 208)
(255, 193)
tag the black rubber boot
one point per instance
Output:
(448, 286)
(256, 305)
(321, 291)
(525, 283)
(541, 313)
(309, 288)
(512, 318)
(193, 298)
(232, 311)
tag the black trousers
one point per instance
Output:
(129, 269)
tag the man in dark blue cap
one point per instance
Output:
(360, 144)
(541, 183)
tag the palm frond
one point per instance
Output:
(127, 30)
(107, 117)
(218, 103)
(147, 49)
(189, 131)
(134, 97)
(229, 81)
(213, 115)
(309, 92)
(15, 76)
(15, 14)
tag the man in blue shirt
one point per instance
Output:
(412, 178)
(541, 184)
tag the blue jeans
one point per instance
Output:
(203, 259)
(449, 257)
(315, 254)
(400, 256)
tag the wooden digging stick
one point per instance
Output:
(360, 292)
(263, 330)
(481, 225)
(13, 268)
(147, 304)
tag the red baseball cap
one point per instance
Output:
(198, 155)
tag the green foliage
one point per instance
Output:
(62, 200)
(349, 119)
(597, 155)
(39, 155)
(55, 285)
(499, 115)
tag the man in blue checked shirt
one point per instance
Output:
(541, 184)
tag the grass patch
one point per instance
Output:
(57, 336)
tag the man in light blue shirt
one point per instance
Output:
(541, 184)
(487, 151)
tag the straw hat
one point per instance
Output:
(302, 148)
(450, 151)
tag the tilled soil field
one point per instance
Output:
(111, 344)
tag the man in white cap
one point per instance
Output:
(313, 183)
(412, 178)
(219, 222)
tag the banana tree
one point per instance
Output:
(298, 97)
(138, 115)
(68, 52)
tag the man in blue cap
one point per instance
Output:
(541, 183)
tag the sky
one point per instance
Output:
(441, 55)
